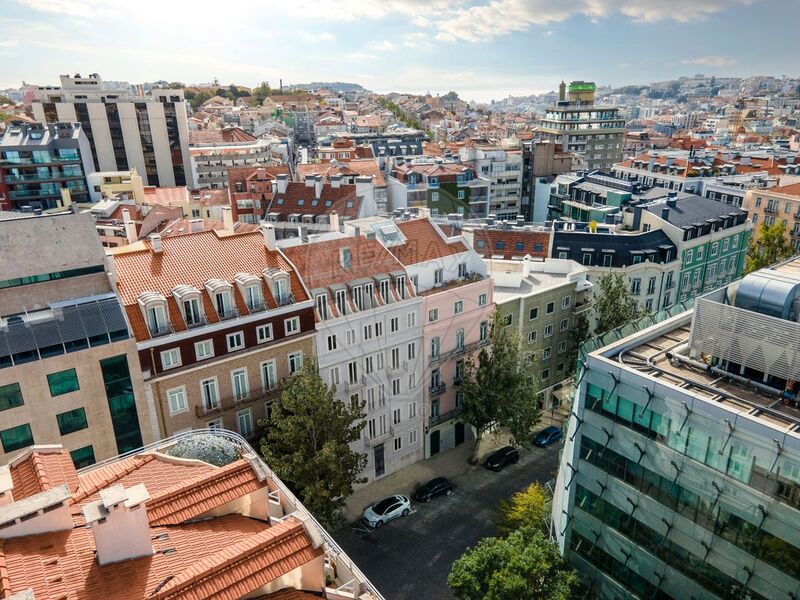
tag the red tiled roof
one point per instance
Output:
(240, 174)
(510, 239)
(789, 190)
(301, 198)
(424, 243)
(355, 167)
(288, 594)
(319, 263)
(170, 196)
(42, 470)
(193, 259)
(226, 135)
(223, 558)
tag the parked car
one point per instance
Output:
(386, 510)
(547, 436)
(497, 460)
(438, 486)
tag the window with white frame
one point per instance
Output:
(459, 339)
(244, 423)
(367, 331)
(412, 380)
(156, 319)
(209, 393)
(435, 346)
(562, 346)
(176, 398)
(412, 437)
(433, 315)
(191, 311)
(379, 361)
(412, 410)
(411, 319)
(546, 353)
(215, 424)
(396, 416)
(462, 270)
(295, 362)
(269, 375)
(565, 302)
(484, 330)
(171, 358)
(235, 341)
(292, 325)
(378, 328)
(548, 330)
(322, 305)
(264, 333)
(352, 371)
(204, 349)
(383, 290)
(458, 307)
(239, 384)
(438, 276)
(334, 376)
(531, 336)
(394, 324)
(253, 297)
(351, 337)
(369, 365)
(398, 441)
(341, 302)
(564, 325)
(482, 300)
(412, 350)
(396, 386)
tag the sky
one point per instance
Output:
(482, 49)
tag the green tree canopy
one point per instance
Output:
(262, 91)
(307, 443)
(196, 99)
(497, 389)
(524, 565)
(773, 245)
(526, 508)
(614, 304)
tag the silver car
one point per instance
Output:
(386, 510)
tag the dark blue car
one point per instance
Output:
(547, 436)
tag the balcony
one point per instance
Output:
(284, 300)
(202, 411)
(41, 162)
(351, 386)
(438, 389)
(444, 417)
(161, 329)
(400, 368)
(229, 314)
(255, 308)
(581, 307)
(458, 351)
(370, 442)
(42, 178)
(198, 323)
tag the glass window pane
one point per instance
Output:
(16, 437)
(63, 382)
(10, 396)
(83, 457)
(73, 420)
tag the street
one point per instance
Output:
(410, 557)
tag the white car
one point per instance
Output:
(386, 510)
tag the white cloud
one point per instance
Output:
(383, 46)
(86, 9)
(361, 56)
(548, 33)
(9, 44)
(710, 61)
(326, 37)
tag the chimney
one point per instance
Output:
(302, 233)
(119, 524)
(283, 180)
(268, 231)
(318, 186)
(334, 220)
(672, 199)
(336, 181)
(665, 213)
(356, 232)
(309, 180)
(196, 225)
(227, 218)
(155, 243)
(130, 227)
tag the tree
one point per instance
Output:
(497, 390)
(176, 85)
(772, 246)
(307, 443)
(197, 98)
(523, 565)
(614, 304)
(526, 508)
(578, 333)
(262, 92)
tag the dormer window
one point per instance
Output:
(278, 281)
(221, 293)
(400, 286)
(322, 306)
(341, 302)
(188, 298)
(369, 292)
(383, 290)
(250, 287)
(154, 307)
(358, 297)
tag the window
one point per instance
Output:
(71, 421)
(295, 362)
(438, 277)
(434, 196)
(548, 330)
(396, 418)
(235, 341)
(545, 374)
(531, 336)
(239, 384)
(689, 255)
(367, 331)
(352, 371)
(587, 259)
(458, 307)
(462, 270)
(378, 328)
(636, 286)
(651, 285)
(533, 314)
(412, 410)
(411, 319)
(394, 324)
(546, 353)
(171, 358)
(292, 325)
(371, 429)
(607, 258)
(379, 361)
(714, 248)
(648, 305)
(507, 320)
(484, 330)
(412, 350)
(264, 333)
(332, 343)
(735, 240)
(482, 300)
(383, 290)
(191, 311)
(176, 399)
(208, 391)
(725, 244)
(700, 253)
(17, 437)
(551, 307)
(395, 386)
(398, 441)
(322, 305)
(215, 424)
(435, 347)
(82, 457)
(433, 315)
(351, 337)
(63, 382)
(395, 353)
(459, 339)
(412, 437)
(334, 376)
(222, 301)
(412, 381)
(244, 423)
(564, 325)
(400, 287)
(204, 349)
(253, 297)
(562, 346)
(156, 319)
(341, 302)
(10, 396)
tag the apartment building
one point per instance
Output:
(441, 186)
(776, 204)
(541, 161)
(369, 341)
(38, 162)
(503, 168)
(220, 319)
(149, 133)
(127, 185)
(457, 311)
(540, 299)
(349, 171)
(710, 239)
(589, 197)
(165, 523)
(680, 475)
(593, 133)
(68, 367)
(648, 261)
(515, 240)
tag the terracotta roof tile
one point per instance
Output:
(356, 167)
(42, 470)
(424, 243)
(288, 594)
(790, 190)
(240, 174)
(300, 198)
(486, 240)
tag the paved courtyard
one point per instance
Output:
(410, 558)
